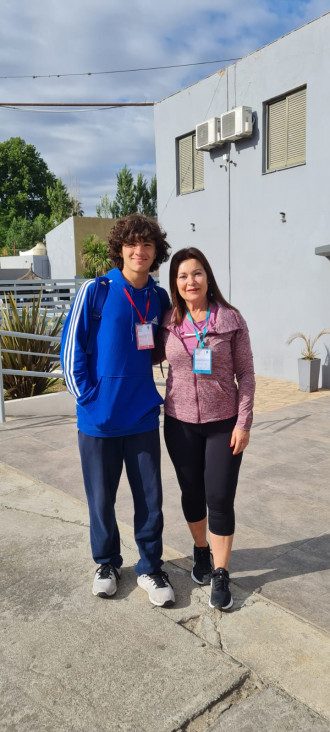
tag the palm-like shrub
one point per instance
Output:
(28, 319)
(95, 257)
(308, 352)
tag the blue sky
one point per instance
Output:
(41, 37)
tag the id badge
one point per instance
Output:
(144, 336)
(202, 361)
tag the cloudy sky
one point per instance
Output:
(70, 38)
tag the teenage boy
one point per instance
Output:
(118, 404)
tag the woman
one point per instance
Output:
(208, 410)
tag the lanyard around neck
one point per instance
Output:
(200, 339)
(143, 320)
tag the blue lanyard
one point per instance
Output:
(200, 340)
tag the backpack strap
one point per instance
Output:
(100, 293)
(163, 296)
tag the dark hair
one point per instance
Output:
(213, 292)
(137, 227)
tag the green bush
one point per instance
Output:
(28, 319)
(94, 257)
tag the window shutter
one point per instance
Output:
(277, 135)
(186, 164)
(286, 143)
(296, 128)
(198, 166)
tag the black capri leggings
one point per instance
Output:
(206, 469)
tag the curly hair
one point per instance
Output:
(137, 227)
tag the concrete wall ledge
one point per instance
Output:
(44, 405)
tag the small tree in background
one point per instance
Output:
(24, 234)
(124, 203)
(20, 236)
(131, 197)
(76, 207)
(41, 226)
(59, 202)
(74, 195)
(95, 257)
(103, 209)
(153, 197)
(146, 196)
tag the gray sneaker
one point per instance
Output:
(158, 587)
(105, 581)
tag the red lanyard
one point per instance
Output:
(143, 320)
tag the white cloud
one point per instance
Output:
(43, 37)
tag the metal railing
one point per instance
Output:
(57, 294)
(22, 372)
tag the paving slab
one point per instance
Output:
(269, 710)
(283, 649)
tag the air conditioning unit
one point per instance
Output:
(236, 123)
(208, 134)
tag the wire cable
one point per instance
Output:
(120, 71)
(56, 111)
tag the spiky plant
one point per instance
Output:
(308, 351)
(28, 319)
(94, 257)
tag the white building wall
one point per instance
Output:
(61, 250)
(17, 262)
(40, 263)
(276, 280)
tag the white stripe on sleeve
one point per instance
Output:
(70, 345)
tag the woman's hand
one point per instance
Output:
(239, 440)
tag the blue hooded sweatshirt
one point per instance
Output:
(114, 387)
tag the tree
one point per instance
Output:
(59, 202)
(124, 203)
(76, 207)
(41, 225)
(146, 196)
(153, 197)
(103, 209)
(94, 256)
(131, 197)
(74, 195)
(20, 236)
(24, 234)
(24, 179)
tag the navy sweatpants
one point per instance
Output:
(102, 461)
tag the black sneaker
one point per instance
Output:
(202, 568)
(220, 592)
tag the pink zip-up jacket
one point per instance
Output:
(228, 390)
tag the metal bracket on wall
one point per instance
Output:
(323, 251)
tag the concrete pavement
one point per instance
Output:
(74, 662)
(281, 548)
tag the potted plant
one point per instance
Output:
(309, 363)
